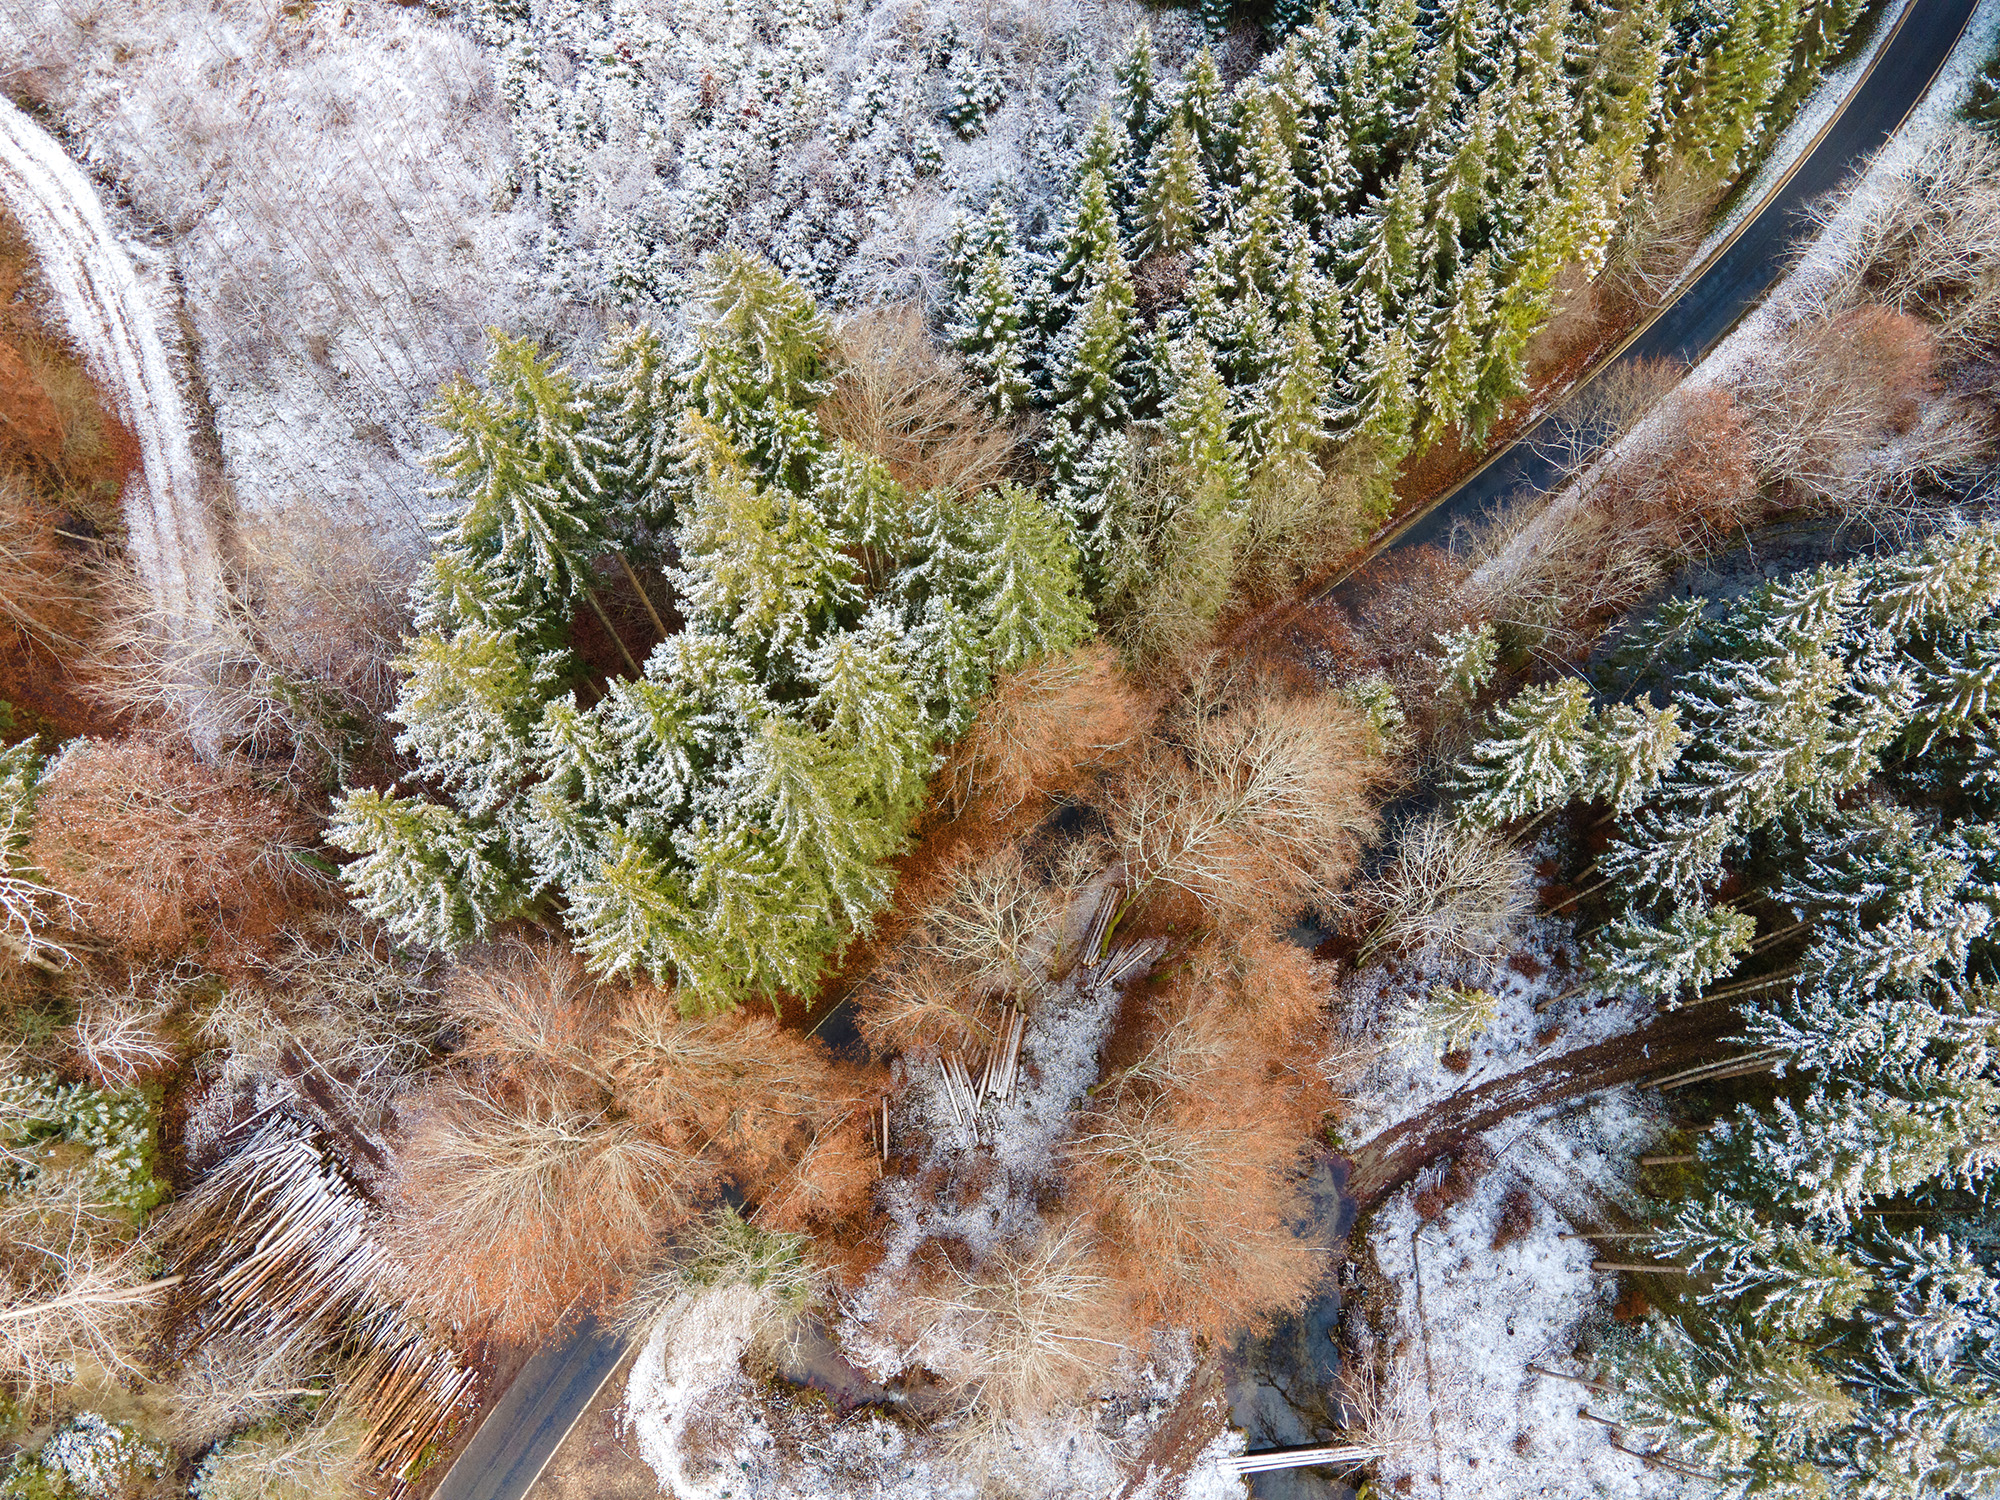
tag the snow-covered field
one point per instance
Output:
(712, 1433)
(1466, 1413)
(1393, 1082)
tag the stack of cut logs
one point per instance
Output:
(1001, 1066)
(277, 1247)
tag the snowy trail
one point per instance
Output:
(114, 319)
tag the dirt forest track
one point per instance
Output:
(115, 319)
(1673, 1040)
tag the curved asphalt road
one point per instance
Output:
(1737, 279)
(526, 1426)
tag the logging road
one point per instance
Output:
(121, 326)
(525, 1427)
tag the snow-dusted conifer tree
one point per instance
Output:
(1534, 757)
(1690, 950)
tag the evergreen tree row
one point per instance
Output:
(1818, 806)
(719, 818)
(1357, 243)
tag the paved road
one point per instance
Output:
(1738, 279)
(528, 1423)
(524, 1429)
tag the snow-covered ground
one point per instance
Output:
(713, 1433)
(1465, 1414)
(121, 320)
(353, 191)
(1393, 1082)
(330, 183)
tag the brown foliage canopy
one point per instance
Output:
(163, 850)
(1191, 1159)
(582, 1123)
(1255, 802)
(510, 1213)
(1042, 731)
(898, 397)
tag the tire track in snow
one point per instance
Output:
(114, 319)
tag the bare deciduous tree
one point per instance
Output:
(1030, 1330)
(158, 846)
(76, 1293)
(1448, 889)
(898, 397)
(507, 1215)
(1256, 802)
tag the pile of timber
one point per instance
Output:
(998, 1068)
(278, 1248)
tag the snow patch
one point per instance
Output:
(1397, 1082)
(694, 1352)
(1469, 1320)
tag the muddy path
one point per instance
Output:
(1676, 1039)
(119, 323)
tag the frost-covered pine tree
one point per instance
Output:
(1287, 424)
(1024, 596)
(1534, 756)
(1631, 747)
(519, 472)
(425, 872)
(991, 316)
(1465, 660)
(1135, 81)
(1386, 411)
(1670, 853)
(1451, 368)
(1791, 1281)
(1690, 950)
(1173, 199)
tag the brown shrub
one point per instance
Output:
(1042, 731)
(738, 1085)
(1231, 1016)
(164, 850)
(1833, 387)
(510, 1215)
(829, 1182)
(1255, 802)
(40, 593)
(1517, 1218)
(898, 397)
(1191, 1158)
(1198, 1196)
(1848, 416)
(1030, 1330)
